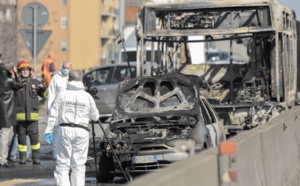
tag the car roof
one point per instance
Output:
(122, 64)
(113, 65)
(216, 51)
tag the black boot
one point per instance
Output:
(23, 157)
(36, 156)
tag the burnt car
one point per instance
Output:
(156, 121)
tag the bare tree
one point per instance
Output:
(8, 32)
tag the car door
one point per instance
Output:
(102, 82)
(110, 90)
(106, 81)
(213, 122)
(122, 73)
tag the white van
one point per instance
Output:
(131, 54)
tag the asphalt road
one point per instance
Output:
(42, 175)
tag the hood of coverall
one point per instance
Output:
(75, 85)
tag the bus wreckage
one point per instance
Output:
(244, 53)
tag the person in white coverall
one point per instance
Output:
(73, 108)
(57, 83)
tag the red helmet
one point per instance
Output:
(23, 65)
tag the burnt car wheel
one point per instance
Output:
(106, 165)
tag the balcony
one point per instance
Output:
(112, 12)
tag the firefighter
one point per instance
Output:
(49, 68)
(27, 110)
(73, 108)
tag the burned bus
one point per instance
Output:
(244, 53)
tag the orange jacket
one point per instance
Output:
(49, 69)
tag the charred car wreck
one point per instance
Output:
(241, 56)
(156, 121)
(257, 79)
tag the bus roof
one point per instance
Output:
(192, 4)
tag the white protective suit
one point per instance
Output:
(58, 83)
(76, 106)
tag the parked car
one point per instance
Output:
(152, 119)
(106, 80)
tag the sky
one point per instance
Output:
(292, 4)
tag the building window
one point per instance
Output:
(12, 2)
(64, 2)
(1, 15)
(8, 14)
(115, 28)
(64, 23)
(103, 24)
(64, 45)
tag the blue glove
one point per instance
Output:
(48, 138)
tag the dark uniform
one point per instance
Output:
(27, 109)
(7, 107)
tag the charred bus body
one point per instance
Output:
(254, 82)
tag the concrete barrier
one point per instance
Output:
(269, 154)
(198, 167)
(266, 156)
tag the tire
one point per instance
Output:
(106, 164)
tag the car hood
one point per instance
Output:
(172, 94)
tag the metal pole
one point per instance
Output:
(34, 39)
(231, 74)
(121, 24)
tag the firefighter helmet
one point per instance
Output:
(23, 65)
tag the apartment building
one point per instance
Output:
(109, 29)
(83, 32)
(131, 9)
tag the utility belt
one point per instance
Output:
(74, 125)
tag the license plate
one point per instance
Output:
(144, 159)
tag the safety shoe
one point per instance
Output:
(23, 158)
(36, 157)
(36, 161)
